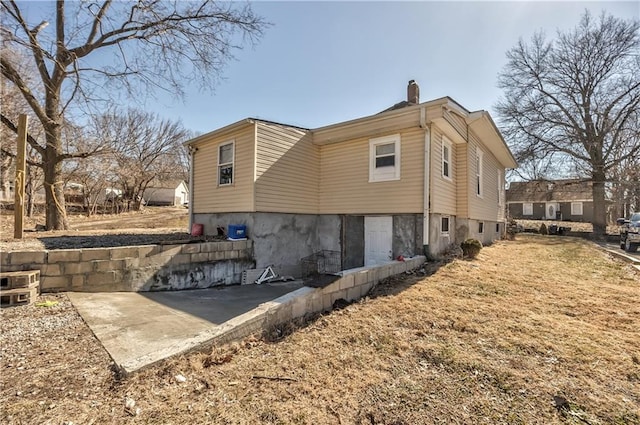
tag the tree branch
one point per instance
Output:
(13, 155)
(97, 22)
(10, 73)
(11, 126)
(34, 46)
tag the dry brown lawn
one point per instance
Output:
(478, 342)
(150, 225)
(576, 226)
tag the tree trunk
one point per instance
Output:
(599, 220)
(56, 214)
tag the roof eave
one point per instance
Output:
(226, 129)
(483, 118)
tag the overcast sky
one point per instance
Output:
(326, 62)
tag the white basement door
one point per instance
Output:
(377, 240)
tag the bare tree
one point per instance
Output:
(151, 44)
(576, 99)
(624, 187)
(145, 148)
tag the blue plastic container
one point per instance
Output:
(237, 231)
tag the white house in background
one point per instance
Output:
(169, 192)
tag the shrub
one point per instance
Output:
(512, 229)
(471, 248)
(543, 229)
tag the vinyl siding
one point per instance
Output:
(443, 191)
(485, 208)
(238, 197)
(372, 127)
(287, 170)
(344, 177)
(462, 173)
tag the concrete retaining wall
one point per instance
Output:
(136, 268)
(353, 285)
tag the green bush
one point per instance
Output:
(543, 229)
(471, 248)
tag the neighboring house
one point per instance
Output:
(412, 179)
(570, 200)
(109, 194)
(74, 193)
(172, 192)
(7, 191)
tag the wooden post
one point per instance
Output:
(19, 184)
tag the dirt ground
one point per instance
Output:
(540, 330)
(152, 225)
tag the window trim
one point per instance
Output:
(445, 232)
(232, 163)
(481, 227)
(446, 143)
(479, 173)
(384, 176)
(573, 204)
(523, 208)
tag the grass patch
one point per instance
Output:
(540, 330)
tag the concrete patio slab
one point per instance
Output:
(141, 328)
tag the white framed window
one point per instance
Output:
(500, 188)
(527, 208)
(384, 158)
(479, 172)
(576, 208)
(446, 158)
(481, 227)
(444, 225)
(497, 227)
(226, 156)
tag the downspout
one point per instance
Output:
(427, 182)
(192, 151)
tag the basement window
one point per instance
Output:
(384, 158)
(481, 227)
(444, 225)
(226, 153)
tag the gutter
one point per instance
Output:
(192, 152)
(427, 181)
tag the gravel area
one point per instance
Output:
(50, 363)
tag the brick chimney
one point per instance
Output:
(413, 92)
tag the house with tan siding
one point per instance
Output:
(413, 179)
